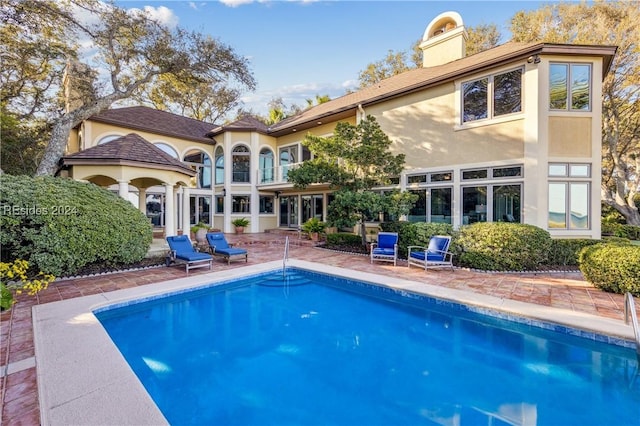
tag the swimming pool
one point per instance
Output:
(319, 349)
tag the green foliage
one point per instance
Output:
(241, 221)
(313, 225)
(565, 251)
(200, 225)
(501, 246)
(612, 267)
(630, 232)
(6, 297)
(341, 239)
(354, 160)
(60, 225)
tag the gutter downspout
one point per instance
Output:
(363, 115)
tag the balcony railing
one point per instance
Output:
(275, 175)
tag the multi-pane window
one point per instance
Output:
(569, 198)
(266, 166)
(492, 172)
(570, 87)
(492, 96)
(266, 204)
(429, 178)
(200, 209)
(168, 149)
(201, 163)
(241, 172)
(219, 165)
(240, 204)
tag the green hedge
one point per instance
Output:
(564, 252)
(60, 225)
(631, 232)
(613, 267)
(342, 239)
(500, 246)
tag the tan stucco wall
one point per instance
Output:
(423, 127)
(570, 137)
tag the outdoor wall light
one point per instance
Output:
(533, 59)
(224, 192)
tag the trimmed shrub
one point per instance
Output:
(613, 267)
(60, 225)
(343, 239)
(631, 232)
(501, 246)
(564, 252)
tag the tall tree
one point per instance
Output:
(132, 49)
(603, 23)
(481, 37)
(353, 161)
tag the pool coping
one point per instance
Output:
(83, 379)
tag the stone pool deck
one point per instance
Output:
(19, 388)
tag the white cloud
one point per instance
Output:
(193, 6)
(162, 14)
(235, 3)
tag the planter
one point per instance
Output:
(314, 236)
(239, 229)
(201, 235)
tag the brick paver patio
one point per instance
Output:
(18, 387)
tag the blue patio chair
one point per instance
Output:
(386, 249)
(219, 246)
(437, 255)
(181, 248)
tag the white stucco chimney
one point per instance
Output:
(444, 40)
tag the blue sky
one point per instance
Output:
(300, 49)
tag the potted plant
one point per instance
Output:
(199, 232)
(314, 227)
(240, 224)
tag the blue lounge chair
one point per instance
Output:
(386, 249)
(182, 249)
(219, 246)
(437, 255)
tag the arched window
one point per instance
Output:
(241, 164)
(106, 139)
(266, 166)
(168, 149)
(201, 163)
(219, 166)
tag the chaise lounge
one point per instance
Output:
(437, 255)
(219, 246)
(181, 248)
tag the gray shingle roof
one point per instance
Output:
(130, 149)
(156, 121)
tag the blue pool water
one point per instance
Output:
(319, 350)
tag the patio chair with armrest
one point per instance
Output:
(386, 249)
(436, 255)
(219, 246)
(181, 248)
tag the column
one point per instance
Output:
(169, 211)
(123, 189)
(186, 212)
(142, 200)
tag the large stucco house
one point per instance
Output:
(509, 134)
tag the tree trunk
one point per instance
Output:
(62, 128)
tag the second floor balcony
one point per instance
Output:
(275, 175)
